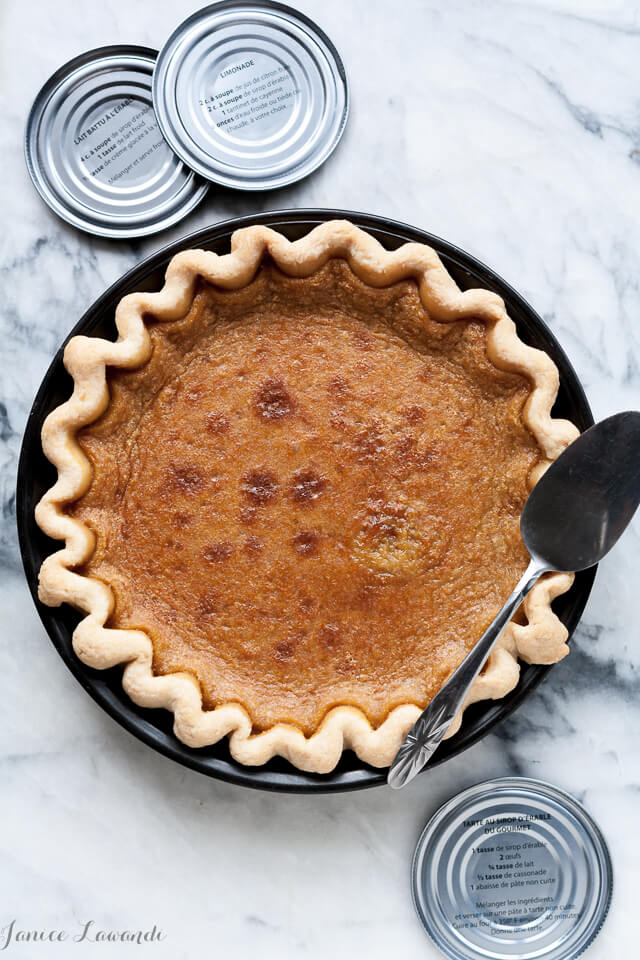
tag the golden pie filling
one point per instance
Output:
(310, 495)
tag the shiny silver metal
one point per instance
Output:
(96, 154)
(250, 95)
(512, 868)
(573, 517)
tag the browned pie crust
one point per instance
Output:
(291, 490)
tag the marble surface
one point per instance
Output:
(511, 129)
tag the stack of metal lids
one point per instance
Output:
(124, 141)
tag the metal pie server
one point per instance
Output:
(573, 517)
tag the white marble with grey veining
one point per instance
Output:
(511, 129)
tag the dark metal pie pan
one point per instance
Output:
(35, 475)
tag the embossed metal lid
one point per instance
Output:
(95, 152)
(512, 868)
(251, 95)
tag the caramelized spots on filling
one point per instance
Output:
(273, 401)
(208, 605)
(307, 486)
(284, 650)
(310, 495)
(414, 413)
(329, 635)
(259, 487)
(187, 479)
(306, 543)
(217, 552)
(181, 520)
(217, 424)
(368, 444)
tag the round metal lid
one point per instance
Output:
(512, 868)
(251, 95)
(95, 152)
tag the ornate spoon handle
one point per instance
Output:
(435, 720)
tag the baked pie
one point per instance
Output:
(290, 493)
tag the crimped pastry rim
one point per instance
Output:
(540, 640)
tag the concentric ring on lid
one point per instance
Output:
(512, 868)
(251, 95)
(95, 152)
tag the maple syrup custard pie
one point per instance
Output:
(290, 493)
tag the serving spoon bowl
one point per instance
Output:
(574, 515)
